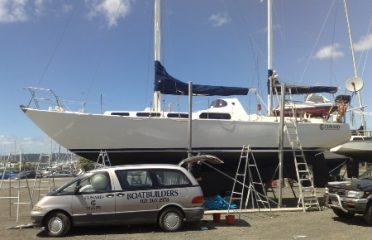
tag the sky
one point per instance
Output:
(86, 49)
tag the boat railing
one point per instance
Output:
(361, 133)
(44, 96)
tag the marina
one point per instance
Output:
(158, 136)
(256, 225)
(205, 133)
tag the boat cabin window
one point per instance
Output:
(148, 114)
(178, 115)
(208, 115)
(218, 103)
(120, 113)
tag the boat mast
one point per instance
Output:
(157, 44)
(363, 123)
(269, 57)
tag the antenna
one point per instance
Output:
(354, 85)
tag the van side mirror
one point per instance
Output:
(77, 188)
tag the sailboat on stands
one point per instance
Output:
(157, 136)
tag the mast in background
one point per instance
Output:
(356, 80)
(269, 58)
(157, 45)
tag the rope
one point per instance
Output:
(51, 58)
(317, 40)
(98, 66)
(365, 60)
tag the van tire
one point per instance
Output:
(171, 219)
(368, 215)
(57, 224)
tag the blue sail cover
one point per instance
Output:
(167, 84)
(297, 89)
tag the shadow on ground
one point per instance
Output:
(355, 221)
(107, 230)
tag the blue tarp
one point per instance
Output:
(167, 84)
(218, 203)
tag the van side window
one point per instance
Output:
(98, 183)
(134, 179)
(171, 178)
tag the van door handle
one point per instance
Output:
(120, 194)
(110, 195)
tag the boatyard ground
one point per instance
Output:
(271, 225)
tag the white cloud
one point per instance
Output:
(6, 140)
(9, 144)
(111, 10)
(13, 11)
(275, 27)
(66, 8)
(330, 51)
(219, 19)
(364, 43)
(39, 7)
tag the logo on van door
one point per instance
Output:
(153, 196)
(93, 202)
(93, 197)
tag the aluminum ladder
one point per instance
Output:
(247, 165)
(256, 187)
(307, 196)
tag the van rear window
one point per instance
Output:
(134, 179)
(171, 178)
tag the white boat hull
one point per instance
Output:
(86, 133)
(357, 148)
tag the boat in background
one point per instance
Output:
(314, 106)
(359, 148)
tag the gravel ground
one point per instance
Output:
(272, 225)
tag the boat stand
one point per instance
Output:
(14, 199)
(103, 159)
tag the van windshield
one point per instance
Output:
(72, 182)
(367, 174)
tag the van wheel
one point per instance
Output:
(342, 214)
(368, 215)
(171, 219)
(57, 224)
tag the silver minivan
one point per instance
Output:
(160, 194)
